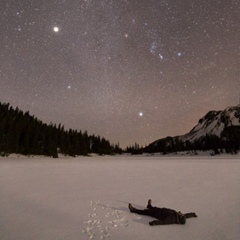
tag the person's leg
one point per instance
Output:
(190, 215)
(149, 205)
(147, 212)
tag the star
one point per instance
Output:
(140, 114)
(161, 56)
(56, 29)
(153, 47)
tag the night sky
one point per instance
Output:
(127, 70)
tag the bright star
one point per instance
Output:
(140, 114)
(56, 29)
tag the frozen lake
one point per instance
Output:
(87, 197)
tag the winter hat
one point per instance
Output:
(181, 219)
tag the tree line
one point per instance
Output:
(228, 142)
(24, 134)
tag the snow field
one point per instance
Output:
(87, 198)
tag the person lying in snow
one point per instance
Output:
(163, 215)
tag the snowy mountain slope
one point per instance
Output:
(217, 129)
(213, 123)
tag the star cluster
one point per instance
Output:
(128, 70)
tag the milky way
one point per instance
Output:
(127, 70)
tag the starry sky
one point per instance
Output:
(127, 70)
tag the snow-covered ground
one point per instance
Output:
(87, 197)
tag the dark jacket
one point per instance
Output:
(165, 216)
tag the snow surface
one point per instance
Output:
(87, 197)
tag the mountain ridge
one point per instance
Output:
(215, 130)
(214, 123)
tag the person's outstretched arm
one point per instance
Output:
(162, 222)
(156, 222)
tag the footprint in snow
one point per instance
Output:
(98, 227)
